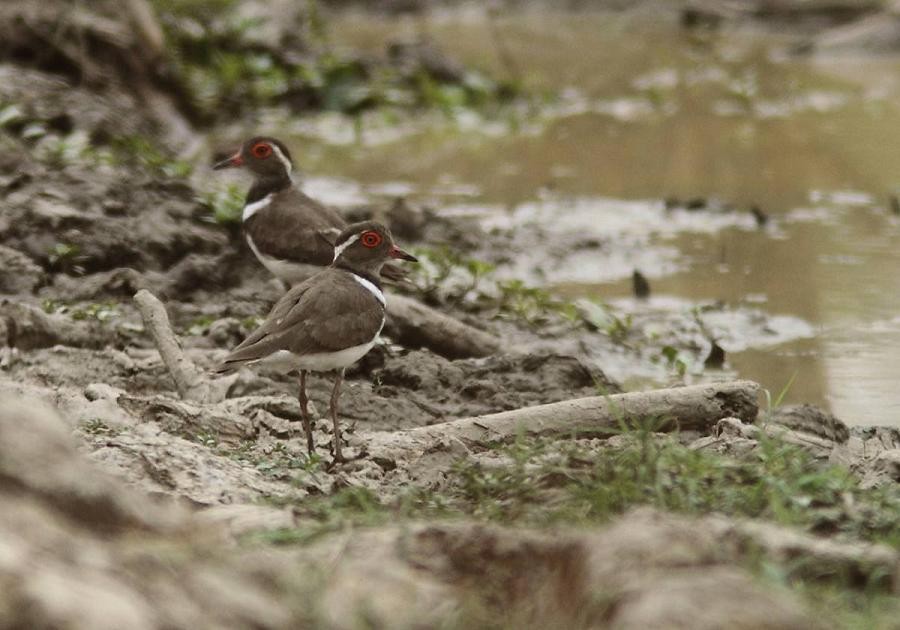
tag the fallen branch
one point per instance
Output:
(697, 407)
(191, 383)
(417, 325)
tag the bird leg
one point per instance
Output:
(304, 414)
(335, 395)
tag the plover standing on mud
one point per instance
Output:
(291, 233)
(328, 322)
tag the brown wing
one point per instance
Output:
(328, 312)
(296, 227)
(322, 217)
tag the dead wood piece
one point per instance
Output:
(697, 407)
(420, 326)
(190, 381)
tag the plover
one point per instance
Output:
(290, 233)
(327, 322)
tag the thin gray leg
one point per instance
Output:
(335, 396)
(304, 414)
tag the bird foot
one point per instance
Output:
(340, 458)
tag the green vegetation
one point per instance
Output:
(199, 326)
(533, 305)
(206, 438)
(276, 462)
(848, 608)
(137, 150)
(99, 311)
(674, 359)
(59, 148)
(65, 257)
(223, 70)
(448, 277)
(60, 151)
(14, 120)
(252, 322)
(225, 204)
(97, 427)
(602, 317)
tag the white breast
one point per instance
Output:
(374, 290)
(284, 361)
(289, 271)
(252, 208)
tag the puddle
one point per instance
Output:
(648, 114)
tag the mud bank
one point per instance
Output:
(163, 567)
(138, 554)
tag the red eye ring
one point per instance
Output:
(261, 150)
(370, 239)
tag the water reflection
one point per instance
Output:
(659, 115)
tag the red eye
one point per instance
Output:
(261, 150)
(371, 239)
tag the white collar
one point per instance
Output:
(373, 289)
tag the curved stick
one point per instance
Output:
(189, 380)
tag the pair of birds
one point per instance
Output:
(336, 308)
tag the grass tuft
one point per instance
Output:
(535, 483)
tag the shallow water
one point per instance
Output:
(656, 114)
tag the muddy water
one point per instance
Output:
(654, 114)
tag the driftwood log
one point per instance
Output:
(696, 407)
(416, 325)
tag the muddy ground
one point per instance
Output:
(113, 484)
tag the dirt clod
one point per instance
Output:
(18, 273)
(481, 386)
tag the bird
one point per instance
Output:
(288, 231)
(327, 322)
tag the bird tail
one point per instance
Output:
(394, 273)
(238, 358)
(224, 368)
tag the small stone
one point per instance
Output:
(639, 284)
(226, 332)
(101, 391)
(716, 357)
(810, 419)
